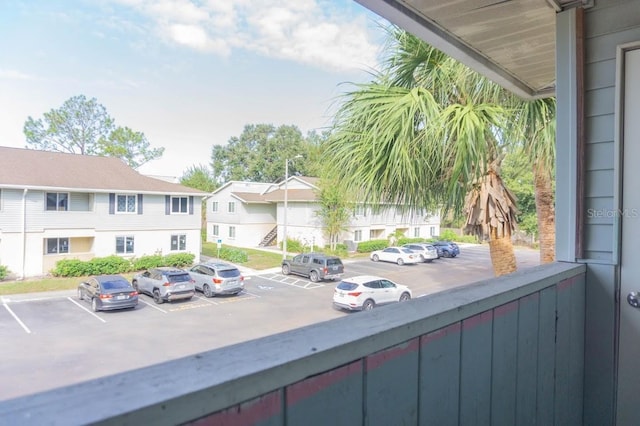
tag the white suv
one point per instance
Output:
(364, 292)
(164, 284)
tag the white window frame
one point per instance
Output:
(180, 242)
(127, 197)
(58, 194)
(214, 206)
(416, 232)
(360, 210)
(215, 230)
(232, 232)
(183, 202)
(231, 207)
(432, 231)
(60, 243)
(357, 235)
(126, 238)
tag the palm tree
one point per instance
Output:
(428, 132)
(534, 123)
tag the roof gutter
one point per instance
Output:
(24, 232)
(102, 190)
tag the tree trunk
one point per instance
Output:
(545, 209)
(503, 257)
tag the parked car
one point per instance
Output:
(427, 252)
(447, 248)
(213, 278)
(364, 292)
(398, 255)
(107, 292)
(315, 266)
(164, 284)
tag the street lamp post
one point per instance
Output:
(286, 196)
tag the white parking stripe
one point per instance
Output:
(17, 319)
(206, 299)
(251, 294)
(85, 309)
(152, 306)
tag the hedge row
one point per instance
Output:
(4, 271)
(118, 265)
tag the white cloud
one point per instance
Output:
(14, 75)
(321, 35)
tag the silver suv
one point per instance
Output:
(213, 278)
(316, 266)
(164, 284)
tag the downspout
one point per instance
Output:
(24, 231)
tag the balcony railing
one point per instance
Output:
(503, 351)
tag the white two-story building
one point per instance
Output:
(57, 206)
(249, 214)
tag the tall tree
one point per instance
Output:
(84, 127)
(335, 211)
(428, 131)
(200, 177)
(259, 154)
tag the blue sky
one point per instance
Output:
(187, 73)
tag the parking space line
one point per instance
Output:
(152, 306)
(16, 318)
(251, 294)
(206, 299)
(85, 309)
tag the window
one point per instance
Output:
(126, 203)
(214, 206)
(416, 232)
(360, 210)
(57, 245)
(124, 245)
(178, 242)
(232, 232)
(216, 230)
(232, 207)
(179, 205)
(432, 231)
(57, 201)
(357, 235)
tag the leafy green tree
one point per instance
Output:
(335, 211)
(260, 152)
(198, 177)
(84, 127)
(518, 176)
(428, 131)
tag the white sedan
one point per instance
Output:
(364, 292)
(399, 255)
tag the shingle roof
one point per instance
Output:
(250, 197)
(27, 168)
(292, 195)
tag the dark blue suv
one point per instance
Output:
(446, 248)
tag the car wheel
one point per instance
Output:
(285, 270)
(422, 259)
(428, 260)
(404, 297)
(207, 290)
(94, 305)
(400, 261)
(375, 258)
(134, 283)
(313, 276)
(446, 254)
(156, 297)
(368, 305)
(80, 294)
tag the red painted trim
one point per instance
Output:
(311, 386)
(506, 308)
(438, 334)
(251, 412)
(477, 320)
(379, 358)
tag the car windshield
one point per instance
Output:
(228, 273)
(334, 262)
(114, 285)
(179, 278)
(346, 285)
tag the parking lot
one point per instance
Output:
(54, 339)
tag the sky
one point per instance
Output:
(189, 74)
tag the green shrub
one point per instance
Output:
(294, 246)
(70, 268)
(372, 245)
(4, 271)
(407, 240)
(147, 262)
(340, 251)
(109, 265)
(179, 260)
(449, 235)
(234, 255)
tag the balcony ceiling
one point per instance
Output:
(512, 42)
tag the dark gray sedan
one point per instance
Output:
(107, 292)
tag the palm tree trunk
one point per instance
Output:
(545, 209)
(503, 257)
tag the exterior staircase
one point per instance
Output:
(270, 238)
